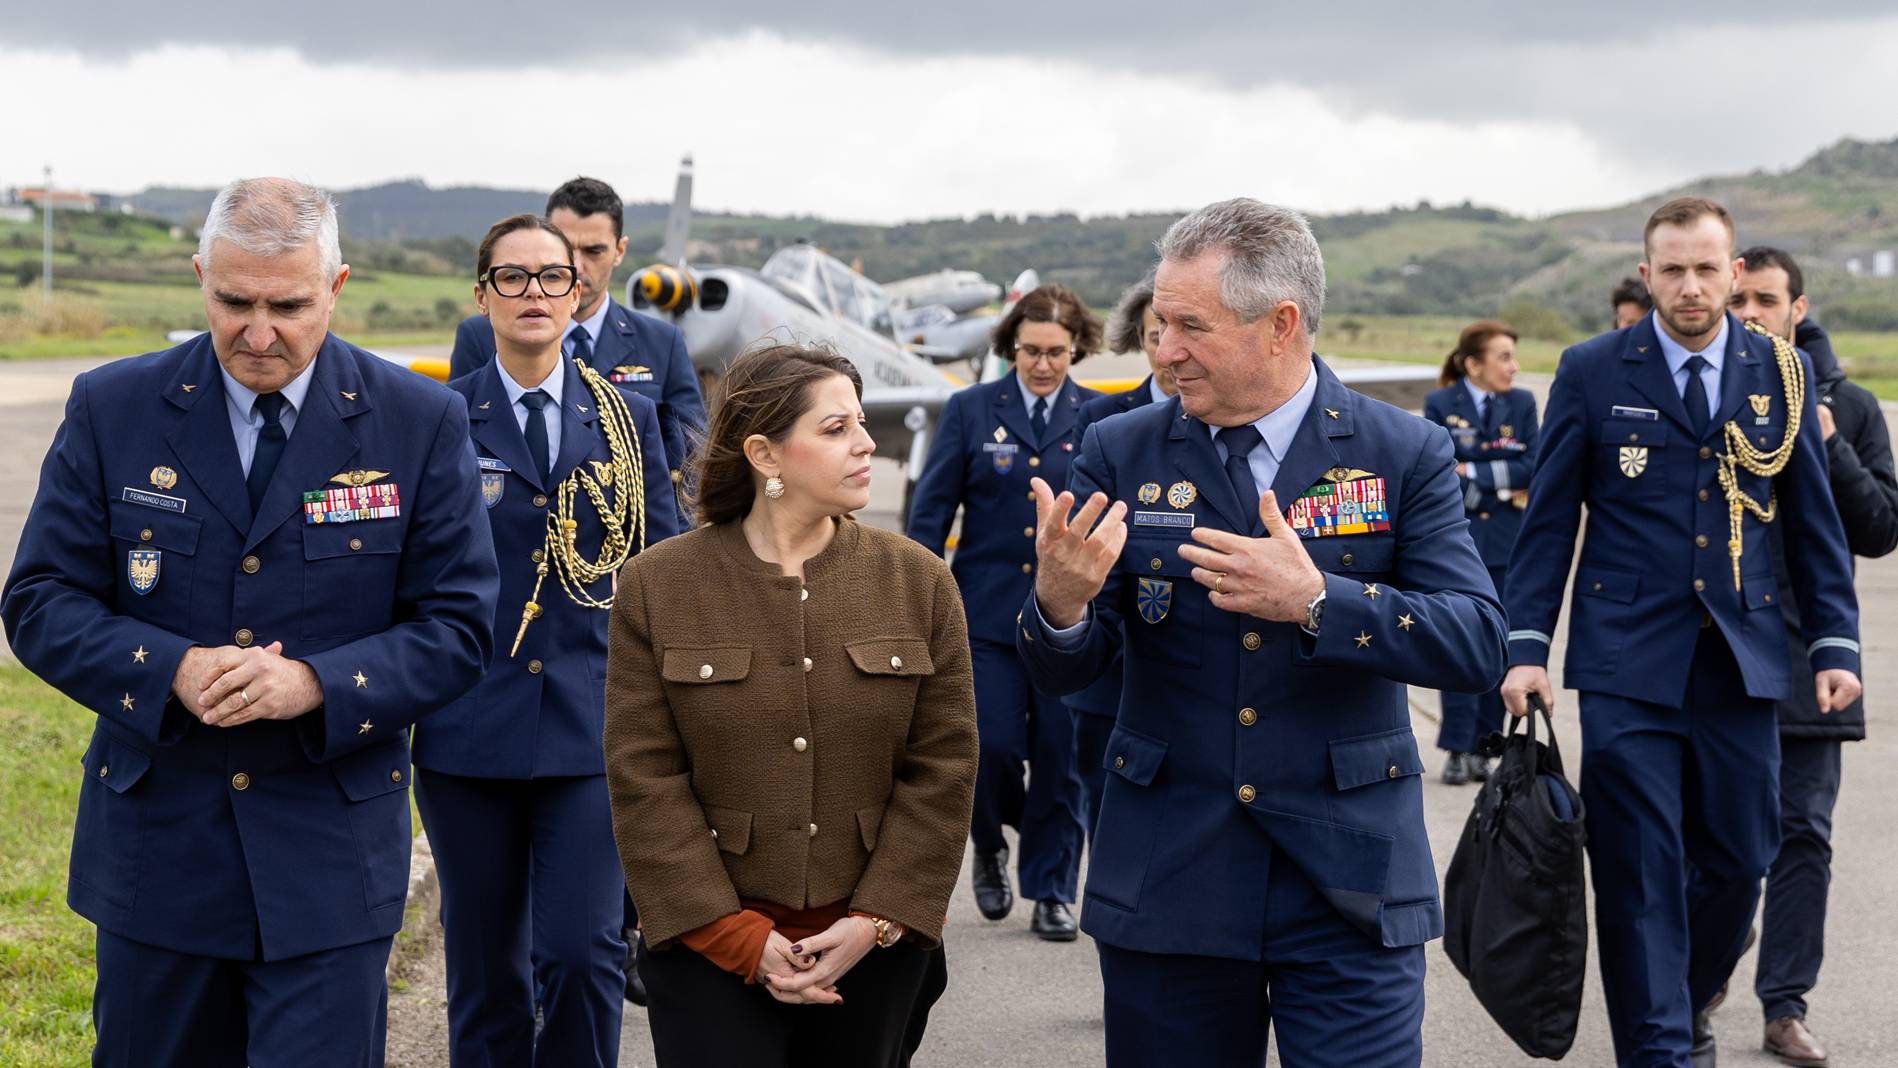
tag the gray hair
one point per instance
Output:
(1270, 253)
(1123, 330)
(272, 216)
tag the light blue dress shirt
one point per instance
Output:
(555, 381)
(240, 403)
(592, 325)
(1153, 389)
(1480, 397)
(1677, 355)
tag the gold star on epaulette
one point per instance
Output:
(347, 395)
(1363, 640)
(126, 702)
(363, 727)
(361, 680)
(138, 655)
(1371, 590)
(1404, 622)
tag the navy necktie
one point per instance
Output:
(1239, 442)
(1039, 419)
(580, 345)
(1696, 396)
(536, 399)
(1488, 413)
(270, 442)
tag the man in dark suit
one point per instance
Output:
(1262, 859)
(1772, 292)
(1675, 641)
(260, 557)
(637, 351)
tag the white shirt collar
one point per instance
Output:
(1028, 397)
(553, 383)
(1280, 425)
(1714, 352)
(592, 324)
(243, 399)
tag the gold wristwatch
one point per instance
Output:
(888, 931)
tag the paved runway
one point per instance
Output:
(1013, 1000)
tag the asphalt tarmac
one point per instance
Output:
(1014, 1000)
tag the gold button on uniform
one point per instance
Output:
(355, 545)
(1482, 515)
(1120, 761)
(813, 830)
(1699, 584)
(807, 664)
(1031, 495)
(1597, 587)
(1155, 563)
(1034, 461)
(244, 637)
(102, 770)
(145, 535)
(1028, 532)
(534, 666)
(1251, 641)
(1705, 452)
(1700, 541)
(800, 744)
(1703, 495)
(251, 564)
(1347, 559)
(395, 774)
(540, 500)
(1248, 716)
(1393, 772)
(537, 555)
(1027, 568)
(240, 781)
(705, 670)
(1247, 793)
(715, 832)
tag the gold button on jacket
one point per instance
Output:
(711, 650)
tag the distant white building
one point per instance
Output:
(16, 213)
(1884, 263)
(1854, 265)
(63, 199)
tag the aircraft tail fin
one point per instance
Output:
(679, 219)
(1025, 283)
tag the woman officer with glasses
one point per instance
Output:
(511, 779)
(993, 438)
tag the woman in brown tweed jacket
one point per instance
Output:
(790, 742)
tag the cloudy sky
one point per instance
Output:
(877, 111)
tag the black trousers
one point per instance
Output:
(1792, 931)
(705, 1017)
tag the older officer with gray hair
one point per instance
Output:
(259, 556)
(1279, 557)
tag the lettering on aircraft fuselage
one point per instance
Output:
(889, 374)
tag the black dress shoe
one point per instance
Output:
(1053, 922)
(1454, 771)
(1477, 765)
(635, 949)
(1702, 1054)
(992, 894)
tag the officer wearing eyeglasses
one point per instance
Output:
(993, 438)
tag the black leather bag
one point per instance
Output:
(1515, 903)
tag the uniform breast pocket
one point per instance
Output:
(1162, 607)
(1631, 459)
(1353, 554)
(349, 576)
(156, 552)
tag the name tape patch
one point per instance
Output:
(152, 500)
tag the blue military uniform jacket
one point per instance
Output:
(275, 838)
(541, 711)
(1102, 698)
(637, 351)
(1500, 463)
(983, 456)
(1655, 559)
(1242, 743)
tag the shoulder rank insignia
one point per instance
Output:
(141, 567)
(164, 477)
(358, 478)
(1150, 493)
(1634, 460)
(1761, 402)
(1154, 598)
(493, 487)
(1182, 494)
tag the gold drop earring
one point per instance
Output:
(774, 487)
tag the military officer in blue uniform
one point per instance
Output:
(511, 779)
(1493, 434)
(1682, 434)
(639, 352)
(1281, 557)
(1132, 327)
(259, 557)
(993, 438)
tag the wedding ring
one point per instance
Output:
(1218, 582)
(246, 695)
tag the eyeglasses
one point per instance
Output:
(1033, 354)
(511, 281)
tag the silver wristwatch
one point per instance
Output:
(1315, 614)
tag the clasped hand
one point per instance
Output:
(807, 973)
(228, 686)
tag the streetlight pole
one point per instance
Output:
(46, 221)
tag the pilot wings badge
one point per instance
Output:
(141, 567)
(1154, 598)
(358, 478)
(1634, 460)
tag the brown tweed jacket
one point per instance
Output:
(800, 743)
